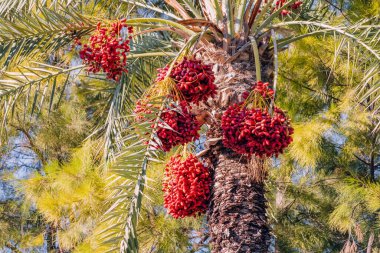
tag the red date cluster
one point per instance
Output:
(193, 79)
(186, 187)
(255, 131)
(263, 89)
(179, 126)
(107, 50)
(143, 107)
(294, 6)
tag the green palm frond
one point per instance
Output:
(10, 7)
(32, 34)
(37, 85)
(136, 152)
(149, 7)
(369, 89)
(16, 82)
(173, 9)
(273, 15)
(128, 180)
(149, 52)
(120, 220)
(212, 10)
(367, 36)
(360, 41)
(125, 143)
(193, 7)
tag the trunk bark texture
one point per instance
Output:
(51, 237)
(237, 215)
(370, 242)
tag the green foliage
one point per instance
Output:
(306, 146)
(364, 8)
(39, 86)
(62, 130)
(15, 216)
(69, 196)
(324, 189)
(10, 7)
(302, 217)
(34, 34)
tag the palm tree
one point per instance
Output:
(240, 38)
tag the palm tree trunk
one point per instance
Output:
(237, 215)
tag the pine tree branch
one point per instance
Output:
(342, 12)
(308, 88)
(12, 247)
(363, 161)
(32, 144)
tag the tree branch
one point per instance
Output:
(310, 89)
(32, 144)
(339, 9)
(12, 247)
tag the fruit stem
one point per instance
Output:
(183, 51)
(255, 50)
(275, 52)
(184, 154)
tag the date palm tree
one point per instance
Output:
(240, 38)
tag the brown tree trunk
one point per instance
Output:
(370, 242)
(51, 237)
(237, 215)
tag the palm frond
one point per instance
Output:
(361, 39)
(212, 11)
(36, 84)
(262, 14)
(144, 4)
(120, 98)
(369, 94)
(31, 35)
(227, 13)
(192, 7)
(10, 7)
(128, 179)
(179, 8)
(239, 14)
(132, 154)
(151, 21)
(16, 82)
(365, 36)
(271, 17)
